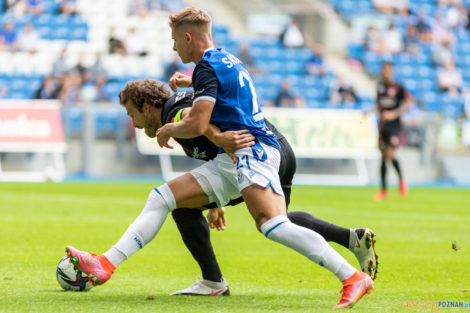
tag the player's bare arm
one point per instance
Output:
(193, 125)
(230, 141)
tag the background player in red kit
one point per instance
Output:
(392, 101)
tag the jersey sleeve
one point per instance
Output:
(175, 106)
(205, 82)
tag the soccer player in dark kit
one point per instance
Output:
(392, 102)
(194, 229)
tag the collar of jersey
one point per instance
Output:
(209, 49)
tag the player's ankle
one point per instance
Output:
(106, 264)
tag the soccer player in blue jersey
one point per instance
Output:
(225, 96)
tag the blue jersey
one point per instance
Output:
(223, 79)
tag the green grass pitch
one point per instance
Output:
(414, 238)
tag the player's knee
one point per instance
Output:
(166, 195)
(268, 228)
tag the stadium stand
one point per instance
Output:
(78, 40)
(83, 31)
(417, 70)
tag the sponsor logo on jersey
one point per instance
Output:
(198, 92)
(259, 153)
(180, 95)
(197, 154)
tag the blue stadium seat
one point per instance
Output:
(111, 89)
(346, 6)
(4, 82)
(451, 106)
(51, 7)
(310, 81)
(19, 85)
(45, 32)
(34, 83)
(426, 72)
(404, 71)
(314, 104)
(43, 20)
(107, 123)
(313, 94)
(411, 85)
(20, 94)
(294, 68)
(427, 85)
(274, 67)
(372, 62)
(61, 20)
(463, 60)
(73, 121)
(430, 101)
(61, 33)
(355, 50)
(265, 42)
(304, 54)
(463, 47)
(77, 21)
(79, 33)
(290, 54)
(293, 79)
(268, 93)
(273, 54)
(219, 29)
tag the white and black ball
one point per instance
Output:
(69, 278)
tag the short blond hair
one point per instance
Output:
(191, 16)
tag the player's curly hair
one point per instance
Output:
(190, 16)
(153, 92)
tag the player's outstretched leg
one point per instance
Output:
(140, 232)
(195, 232)
(354, 288)
(314, 247)
(359, 241)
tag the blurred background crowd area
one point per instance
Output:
(84, 51)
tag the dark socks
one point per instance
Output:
(327, 230)
(396, 165)
(383, 174)
(194, 230)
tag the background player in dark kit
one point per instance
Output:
(392, 101)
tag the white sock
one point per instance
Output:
(145, 227)
(307, 243)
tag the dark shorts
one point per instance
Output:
(286, 174)
(389, 136)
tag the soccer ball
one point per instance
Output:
(69, 278)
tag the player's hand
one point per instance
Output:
(180, 80)
(232, 141)
(216, 218)
(163, 136)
